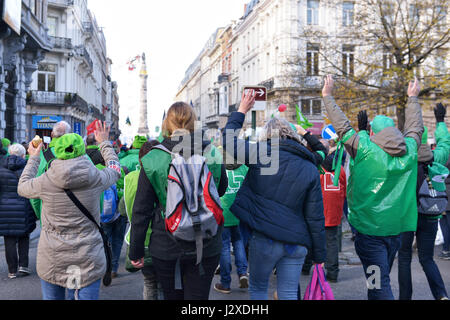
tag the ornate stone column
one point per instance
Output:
(143, 125)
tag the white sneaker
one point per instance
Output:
(243, 281)
(24, 271)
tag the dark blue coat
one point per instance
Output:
(285, 205)
(17, 218)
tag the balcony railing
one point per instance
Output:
(84, 55)
(61, 43)
(45, 98)
(60, 3)
(88, 27)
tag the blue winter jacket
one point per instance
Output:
(285, 205)
(17, 218)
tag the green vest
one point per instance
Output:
(382, 189)
(235, 180)
(156, 166)
(130, 190)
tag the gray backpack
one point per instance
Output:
(193, 211)
(431, 201)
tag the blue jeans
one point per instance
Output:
(377, 255)
(445, 227)
(115, 231)
(266, 254)
(54, 292)
(426, 236)
(232, 235)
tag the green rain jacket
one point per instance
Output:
(131, 160)
(235, 180)
(383, 172)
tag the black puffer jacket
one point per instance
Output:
(17, 218)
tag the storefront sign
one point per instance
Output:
(45, 122)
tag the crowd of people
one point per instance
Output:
(188, 204)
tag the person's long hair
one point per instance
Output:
(180, 119)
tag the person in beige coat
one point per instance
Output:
(70, 252)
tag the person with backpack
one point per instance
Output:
(432, 201)
(17, 219)
(73, 253)
(186, 239)
(231, 234)
(112, 221)
(381, 190)
(152, 290)
(280, 201)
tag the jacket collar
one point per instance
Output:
(297, 149)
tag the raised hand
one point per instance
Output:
(247, 101)
(414, 88)
(440, 112)
(101, 132)
(32, 151)
(328, 86)
(363, 120)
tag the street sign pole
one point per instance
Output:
(254, 125)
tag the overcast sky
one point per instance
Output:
(172, 34)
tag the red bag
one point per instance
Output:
(318, 288)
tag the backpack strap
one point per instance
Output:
(106, 245)
(49, 157)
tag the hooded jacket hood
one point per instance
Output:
(73, 173)
(392, 141)
(13, 163)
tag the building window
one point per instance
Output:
(348, 60)
(312, 59)
(32, 6)
(47, 77)
(52, 23)
(348, 10)
(313, 12)
(311, 107)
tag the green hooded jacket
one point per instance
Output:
(235, 180)
(131, 160)
(383, 172)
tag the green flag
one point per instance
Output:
(302, 120)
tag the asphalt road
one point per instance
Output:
(351, 286)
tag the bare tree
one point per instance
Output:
(375, 48)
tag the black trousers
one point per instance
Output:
(332, 263)
(16, 252)
(195, 287)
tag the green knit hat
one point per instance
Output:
(438, 174)
(139, 142)
(425, 136)
(380, 123)
(70, 146)
(6, 143)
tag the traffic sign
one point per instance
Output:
(261, 97)
(329, 133)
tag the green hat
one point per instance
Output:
(69, 146)
(438, 174)
(6, 142)
(425, 136)
(139, 142)
(380, 123)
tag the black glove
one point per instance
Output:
(440, 112)
(363, 120)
